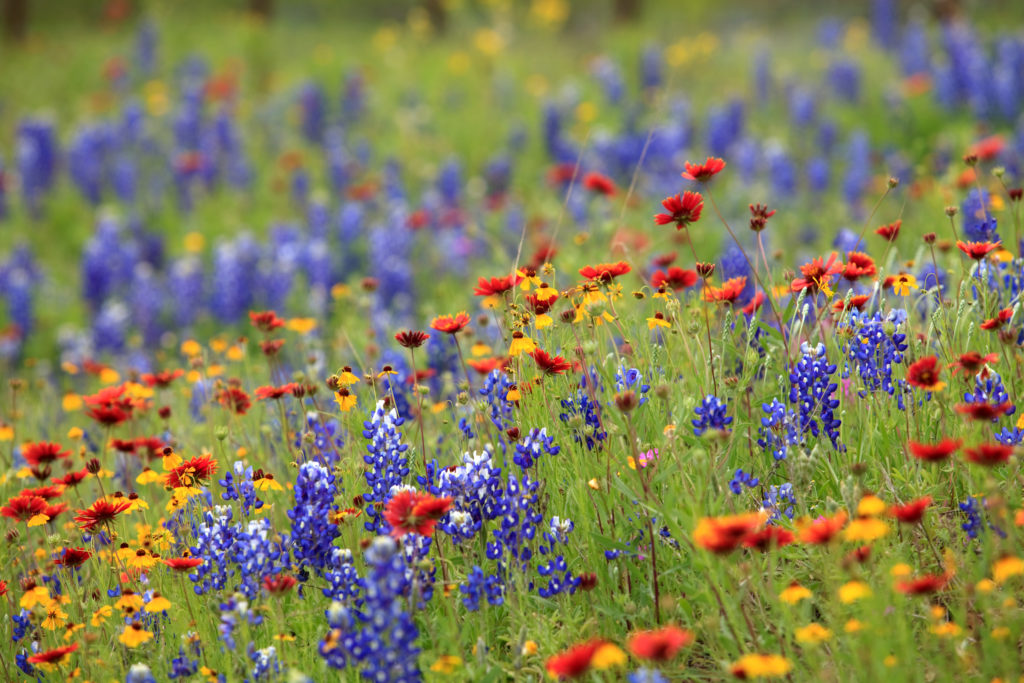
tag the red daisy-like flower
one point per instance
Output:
(982, 411)
(451, 324)
(889, 232)
(194, 472)
(42, 453)
(150, 446)
(53, 657)
(675, 278)
(816, 273)
(486, 366)
(23, 508)
(912, 512)
(605, 272)
(989, 454)
(496, 285)
(977, 250)
(934, 452)
(682, 210)
(1001, 319)
(973, 362)
(52, 511)
(924, 374)
(73, 557)
(540, 307)
(575, 661)
(858, 265)
(562, 173)
(759, 216)
(415, 512)
(161, 379)
(265, 321)
(703, 172)
(858, 301)
(235, 400)
(280, 584)
(728, 293)
(109, 406)
(274, 393)
(661, 645)
(100, 512)
(72, 478)
(123, 445)
(271, 347)
(824, 529)
(987, 148)
(599, 183)
(412, 339)
(754, 304)
(44, 492)
(768, 538)
(550, 365)
(923, 585)
(182, 564)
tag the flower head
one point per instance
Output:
(450, 324)
(411, 339)
(682, 210)
(924, 374)
(101, 512)
(703, 172)
(977, 250)
(415, 512)
(661, 645)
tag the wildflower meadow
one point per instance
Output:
(511, 340)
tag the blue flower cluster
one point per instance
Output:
(779, 429)
(991, 391)
(244, 552)
(873, 345)
(378, 637)
(711, 414)
(312, 532)
(741, 480)
(532, 446)
(475, 488)
(591, 433)
(479, 586)
(632, 379)
(779, 502)
(812, 390)
(388, 463)
(237, 485)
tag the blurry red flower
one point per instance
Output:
(415, 512)
(972, 362)
(924, 374)
(759, 216)
(982, 411)
(922, 585)
(912, 512)
(161, 379)
(550, 365)
(605, 272)
(722, 535)
(987, 148)
(675, 277)
(823, 529)
(977, 250)
(411, 339)
(72, 478)
(279, 585)
(857, 301)
(100, 512)
(265, 321)
(182, 564)
(575, 661)
(44, 492)
(235, 400)
(73, 557)
(53, 657)
(274, 393)
(23, 508)
(703, 172)
(496, 285)
(682, 210)
(599, 183)
(769, 538)
(934, 452)
(661, 645)
(858, 265)
(889, 232)
(989, 454)
(817, 272)
(41, 453)
(486, 366)
(1001, 319)
(728, 293)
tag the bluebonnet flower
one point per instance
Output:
(873, 345)
(580, 407)
(342, 577)
(646, 676)
(631, 379)
(532, 446)
(845, 77)
(183, 666)
(979, 225)
(974, 509)
(388, 463)
(779, 502)
(380, 636)
(313, 105)
(230, 612)
(479, 586)
(742, 479)
(244, 552)
(812, 392)
(779, 429)
(266, 665)
(990, 390)
(312, 532)
(496, 386)
(475, 487)
(711, 414)
(139, 673)
(1010, 436)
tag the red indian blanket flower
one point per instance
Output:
(816, 273)
(924, 374)
(1001, 319)
(682, 210)
(41, 453)
(858, 301)
(280, 584)
(265, 321)
(575, 661)
(912, 512)
(550, 365)
(934, 452)
(923, 585)
(823, 529)
(109, 406)
(274, 393)
(769, 538)
(411, 339)
(675, 277)
(191, 473)
(23, 508)
(989, 454)
(722, 535)
(605, 272)
(703, 172)
(486, 366)
(235, 400)
(858, 265)
(977, 250)
(728, 293)
(44, 492)
(73, 557)
(182, 564)
(72, 478)
(982, 411)
(161, 379)
(100, 512)
(973, 362)
(54, 657)
(415, 512)
(661, 645)
(889, 232)
(450, 324)
(599, 183)
(496, 285)
(754, 304)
